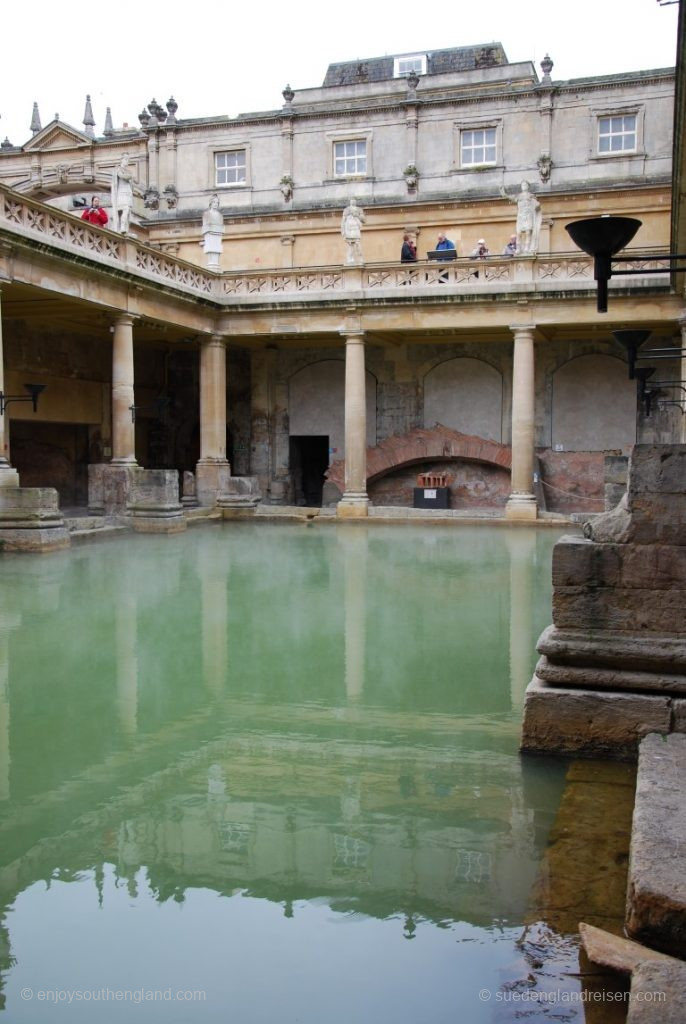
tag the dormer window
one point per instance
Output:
(403, 66)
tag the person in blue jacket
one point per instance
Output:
(444, 243)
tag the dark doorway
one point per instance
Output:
(309, 461)
(52, 455)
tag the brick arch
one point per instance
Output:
(439, 443)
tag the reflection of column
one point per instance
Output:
(8, 476)
(354, 501)
(123, 428)
(214, 609)
(522, 503)
(521, 546)
(4, 718)
(213, 399)
(126, 659)
(355, 544)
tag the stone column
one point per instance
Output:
(522, 503)
(213, 469)
(123, 427)
(8, 476)
(682, 376)
(355, 502)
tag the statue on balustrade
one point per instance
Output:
(528, 219)
(122, 195)
(212, 231)
(351, 229)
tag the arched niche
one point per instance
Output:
(467, 395)
(316, 404)
(594, 405)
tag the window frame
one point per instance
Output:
(241, 147)
(598, 113)
(356, 157)
(336, 138)
(461, 127)
(421, 57)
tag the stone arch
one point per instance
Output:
(316, 403)
(100, 185)
(437, 445)
(466, 395)
(593, 405)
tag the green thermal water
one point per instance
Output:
(274, 769)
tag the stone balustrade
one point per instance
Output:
(34, 221)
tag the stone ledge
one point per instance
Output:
(656, 898)
(589, 723)
(639, 652)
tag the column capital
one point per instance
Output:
(519, 329)
(125, 320)
(353, 336)
(215, 340)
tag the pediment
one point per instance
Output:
(57, 135)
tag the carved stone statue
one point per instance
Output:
(528, 219)
(212, 231)
(351, 229)
(122, 195)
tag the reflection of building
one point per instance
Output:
(511, 362)
(200, 744)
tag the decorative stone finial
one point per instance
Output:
(35, 120)
(546, 68)
(152, 108)
(172, 106)
(144, 118)
(6, 144)
(88, 119)
(288, 95)
(109, 127)
(412, 81)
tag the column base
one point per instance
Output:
(31, 520)
(521, 506)
(353, 505)
(211, 479)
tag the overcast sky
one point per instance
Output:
(222, 57)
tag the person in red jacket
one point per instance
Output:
(95, 213)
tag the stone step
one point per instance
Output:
(102, 533)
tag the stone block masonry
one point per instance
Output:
(613, 662)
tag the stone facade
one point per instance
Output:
(438, 341)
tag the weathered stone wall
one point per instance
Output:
(472, 485)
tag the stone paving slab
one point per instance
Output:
(658, 994)
(656, 897)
